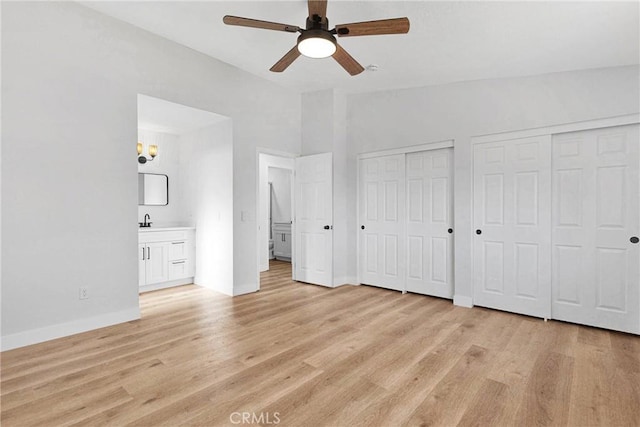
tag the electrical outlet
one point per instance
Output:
(84, 293)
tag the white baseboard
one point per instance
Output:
(247, 288)
(164, 285)
(35, 336)
(462, 301)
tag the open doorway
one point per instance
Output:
(187, 236)
(276, 246)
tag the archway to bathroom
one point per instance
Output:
(189, 152)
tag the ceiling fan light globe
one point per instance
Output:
(317, 44)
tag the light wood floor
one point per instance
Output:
(305, 355)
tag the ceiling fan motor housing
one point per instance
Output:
(316, 22)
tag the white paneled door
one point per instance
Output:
(382, 225)
(596, 225)
(314, 219)
(429, 216)
(512, 222)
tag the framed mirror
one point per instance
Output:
(153, 189)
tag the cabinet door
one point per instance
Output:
(157, 267)
(279, 244)
(142, 256)
(286, 247)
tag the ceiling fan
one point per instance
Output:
(317, 41)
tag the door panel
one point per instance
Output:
(382, 241)
(512, 263)
(430, 215)
(596, 267)
(314, 219)
(142, 256)
(157, 264)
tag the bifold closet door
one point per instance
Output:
(429, 223)
(512, 225)
(596, 225)
(382, 231)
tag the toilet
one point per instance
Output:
(271, 255)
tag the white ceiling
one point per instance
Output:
(448, 42)
(163, 116)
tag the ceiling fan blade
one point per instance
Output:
(348, 63)
(318, 7)
(255, 23)
(286, 60)
(373, 28)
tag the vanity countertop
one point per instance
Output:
(152, 229)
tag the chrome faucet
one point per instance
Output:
(145, 223)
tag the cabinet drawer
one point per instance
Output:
(178, 269)
(177, 251)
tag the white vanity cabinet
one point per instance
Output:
(282, 241)
(166, 257)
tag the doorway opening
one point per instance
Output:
(186, 236)
(275, 209)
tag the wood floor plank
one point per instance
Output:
(487, 406)
(349, 356)
(445, 405)
(600, 394)
(548, 384)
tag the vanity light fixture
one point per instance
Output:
(153, 152)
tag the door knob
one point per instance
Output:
(326, 227)
(634, 239)
(478, 231)
(450, 230)
(362, 226)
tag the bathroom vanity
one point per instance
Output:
(166, 257)
(282, 241)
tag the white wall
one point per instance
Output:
(266, 161)
(280, 180)
(400, 118)
(70, 80)
(206, 176)
(167, 162)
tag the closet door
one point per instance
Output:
(595, 219)
(429, 223)
(512, 222)
(382, 230)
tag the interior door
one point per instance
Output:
(596, 267)
(314, 219)
(382, 230)
(512, 222)
(429, 187)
